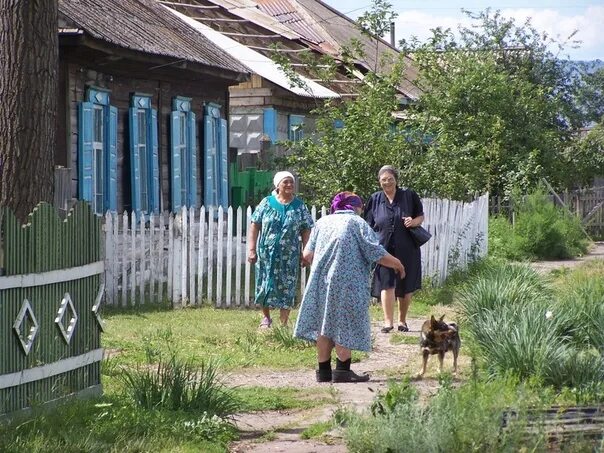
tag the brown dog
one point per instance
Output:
(438, 337)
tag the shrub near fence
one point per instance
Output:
(200, 254)
(50, 295)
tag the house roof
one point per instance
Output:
(336, 29)
(257, 62)
(143, 25)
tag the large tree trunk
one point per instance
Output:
(29, 54)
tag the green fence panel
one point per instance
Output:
(49, 333)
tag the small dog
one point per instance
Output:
(438, 337)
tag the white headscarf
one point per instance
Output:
(280, 176)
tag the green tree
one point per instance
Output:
(498, 107)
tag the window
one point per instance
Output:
(97, 151)
(144, 157)
(216, 183)
(183, 154)
(295, 127)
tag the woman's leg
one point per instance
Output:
(284, 316)
(403, 307)
(324, 348)
(387, 297)
(266, 320)
(343, 373)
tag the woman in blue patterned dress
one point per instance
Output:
(335, 306)
(280, 220)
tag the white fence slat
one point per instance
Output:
(152, 260)
(184, 235)
(193, 230)
(246, 292)
(238, 255)
(170, 282)
(210, 252)
(133, 258)
(229, 262)
(200, 254)
(142, 261)
(219, 257)
(122, 240)
(162, 271)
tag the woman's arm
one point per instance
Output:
(252, 257)
(393, 262)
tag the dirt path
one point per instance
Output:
(284, 427)
(279, 431)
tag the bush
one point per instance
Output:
(454, 420)
(541, 231)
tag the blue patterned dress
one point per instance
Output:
(336, 300)
(278, 250)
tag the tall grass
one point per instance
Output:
(175, 384)
(517, 326)
(454, 420)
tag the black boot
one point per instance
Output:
(343, 373)
(324, 371)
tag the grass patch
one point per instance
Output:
(229, 336)
(114, 425)
(254, 399)
(398, 338)
(316, 430)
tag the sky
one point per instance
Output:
(557, 18)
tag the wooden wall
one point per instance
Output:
(123, 80)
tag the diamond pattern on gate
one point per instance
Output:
(26, 326)
(96, 308)
(67, 318)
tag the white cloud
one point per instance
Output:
(554, 22)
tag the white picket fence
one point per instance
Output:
(199, 255)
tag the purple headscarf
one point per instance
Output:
(346, 200)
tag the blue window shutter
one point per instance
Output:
(224, 165)
(154, 162)
(209, 149)
(85, 110)
(111, 192)
(175, 161)
(270, 123)
(135, 180)
(192, 156)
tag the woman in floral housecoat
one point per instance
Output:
(280, 220)
(335, 307)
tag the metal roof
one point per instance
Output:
(286, 13)
(143, 25)
(256, 62)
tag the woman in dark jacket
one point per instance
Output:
(391, 212)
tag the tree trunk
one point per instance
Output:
(29, 54)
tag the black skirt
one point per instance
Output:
(386, 278)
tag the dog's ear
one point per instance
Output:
(441, 318)
(433, 323)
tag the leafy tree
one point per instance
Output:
(498, 112)
(499, 107)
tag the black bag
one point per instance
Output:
(420, 235)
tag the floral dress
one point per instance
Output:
(336, 299)
(278, 250)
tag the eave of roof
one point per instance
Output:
(257, 62)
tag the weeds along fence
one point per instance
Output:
(199, 255)
(50, 294)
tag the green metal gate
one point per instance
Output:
(50, 294)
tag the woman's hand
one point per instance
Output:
(306, 258)
(400, 269)
(408, 222)
(252, 257)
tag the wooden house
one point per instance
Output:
(264, 108)
(143, 107)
